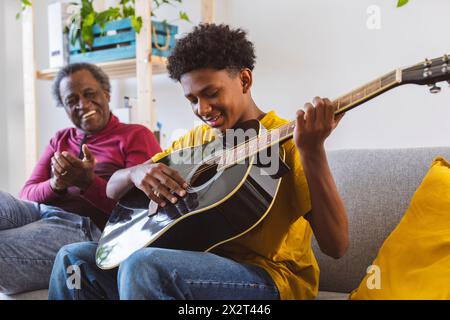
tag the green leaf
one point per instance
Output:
(128, 11)
(87, 8)
(26, 3)
(184, 16)
(89, 20)
(136, 23)
(18, 15)
(401, 3)
(86, 29)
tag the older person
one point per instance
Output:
(64, 200)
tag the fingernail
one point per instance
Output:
(182, 193)
(185, 185)
(163, 204)
(174, 200)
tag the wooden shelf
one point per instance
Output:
(115, 69)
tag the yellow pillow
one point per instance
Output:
(414, 261)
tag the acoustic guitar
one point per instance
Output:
(233, 181)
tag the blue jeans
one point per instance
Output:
(155, 273)
(31, 234)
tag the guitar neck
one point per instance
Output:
(285, 132)
(347, 102)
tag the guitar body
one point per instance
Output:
(220, 205)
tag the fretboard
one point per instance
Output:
(342, 104)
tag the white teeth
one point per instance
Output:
(214, 119)
(87, 115)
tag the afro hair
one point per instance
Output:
(211, 46)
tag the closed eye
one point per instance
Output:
(90, 94)
(193, 101)
(212, 94)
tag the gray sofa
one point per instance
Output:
(376, 186)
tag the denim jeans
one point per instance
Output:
(30, 236)
(156, 274)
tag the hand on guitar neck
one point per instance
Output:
(327, 217)
(314, 124)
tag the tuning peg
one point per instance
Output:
(445, 66)
(427, 71)
(434, 88)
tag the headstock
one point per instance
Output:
(428, 72)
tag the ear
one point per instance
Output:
(107, 95)
(246, 77)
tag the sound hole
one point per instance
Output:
(203, 174)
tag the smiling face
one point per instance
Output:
(85, 101)
(220, 98)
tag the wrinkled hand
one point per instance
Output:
(159, 182)
(314, 124)
(70, 171)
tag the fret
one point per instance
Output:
(345, 100)
(388, 79)
(221, 158)
(261, 141)
(246, 147)
(269, 138)
(372, 87)
(283, 131)
(357, 95)
(275, 135)
(231, 155)
(253, 145)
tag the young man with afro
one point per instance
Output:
(214, 65)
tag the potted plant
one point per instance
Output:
(110, 34)
(95, 32)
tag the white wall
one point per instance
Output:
(12, 98)
(323, 47)
(304, 48)
(3, 132)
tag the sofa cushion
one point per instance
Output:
(414, 260)
(326, 295)
(376, 186)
